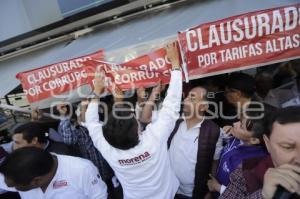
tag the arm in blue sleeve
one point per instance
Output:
(68, 132)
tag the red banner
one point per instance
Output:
(151, 68)
(247, 40)
(143, 71)
(55, 79)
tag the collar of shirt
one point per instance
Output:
(55, 180)
(198, 125)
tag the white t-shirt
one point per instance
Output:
(183, 155)
(75, 178)
(145, 170)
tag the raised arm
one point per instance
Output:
(92, 118)
(91, 115)
(149, 105)
(171, 105)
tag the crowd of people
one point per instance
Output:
(209, 139)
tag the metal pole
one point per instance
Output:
(12, 113)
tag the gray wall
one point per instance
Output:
(20, 16)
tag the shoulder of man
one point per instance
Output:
(208, 123)
(61, 148)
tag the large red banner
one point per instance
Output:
(55, 79)
(143, 71)
(247, 40)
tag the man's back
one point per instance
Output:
(144, 170)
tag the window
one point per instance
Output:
(69, 8)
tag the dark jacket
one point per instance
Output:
(207, 141)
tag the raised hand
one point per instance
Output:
(118, 94)
(141, 95)
(99, 82)
(62, 109)
(155, 94)
(36, 114)
(227, 130)
(173, 55)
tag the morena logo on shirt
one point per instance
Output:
(60, 184)
(136, 160)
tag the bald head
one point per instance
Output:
(195, 104)
(199, 92)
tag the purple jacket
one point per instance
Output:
(232, 156)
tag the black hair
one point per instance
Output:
(282, 116)
(255, 114)
(30, 130)
(71, 108)
(242, 82)
(24, 164)
(121, 129)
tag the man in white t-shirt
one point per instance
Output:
(140, 161)
(36, 174)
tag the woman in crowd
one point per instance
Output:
(243, 143)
